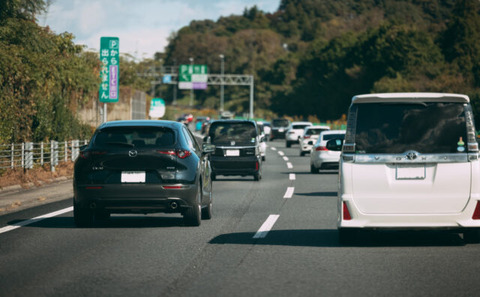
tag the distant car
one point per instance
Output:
(142, 167)
(294, 132)
(309, 137)
(263, 143)
(237, 150)
(200, 122)
(279, 126)
(321, 157)
(266, 128)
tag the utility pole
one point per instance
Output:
(222, 85)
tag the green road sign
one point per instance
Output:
(109, 71)
(193, 77)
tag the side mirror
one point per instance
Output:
(335, 144)
(207, 139)
(82, 147)
(208, 148)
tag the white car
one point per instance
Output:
(309, 137)
(295, 131)
(321, 157)
(409, 161)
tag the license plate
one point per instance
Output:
(133, 176)
(232, 153)
(411, 172)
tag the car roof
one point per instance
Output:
(301, 123)
(410, 97)
(141, 123)
(333, 132)
(317, 127)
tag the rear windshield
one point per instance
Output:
(280, 123)
(423, 127)
(240, 133)
(135, 137)
(333, 136)
(300, 126)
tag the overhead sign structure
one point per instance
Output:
(109, 71)
(157, 108)
(193, 77)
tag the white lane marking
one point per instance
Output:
(36, 219)
(266, 227)
(292, 176)
(273, 148)
(289, 165)
(285, 158)
(281, 153)
(289, 192)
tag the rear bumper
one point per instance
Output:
(235, 166)
(135, 198)
(406, 221)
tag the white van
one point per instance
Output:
(409, 161)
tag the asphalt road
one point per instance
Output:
(232, 255)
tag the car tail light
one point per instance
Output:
(256, 166)
(172, 187)
(87, 154)
(476, 213)
(182, 154)
(346, 213)
(306, 136)
(321, 148)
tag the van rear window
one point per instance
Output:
(394, 128)
(240, 133)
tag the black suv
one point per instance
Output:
(279, 128)
(237, 150)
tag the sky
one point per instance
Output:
(143, 26)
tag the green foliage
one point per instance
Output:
(45, 77)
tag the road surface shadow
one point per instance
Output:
(122, 221)
(318, 194)
(329, 238)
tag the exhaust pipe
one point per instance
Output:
(173, 205)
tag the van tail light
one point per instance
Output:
(346, 213)
(182, 154)
(321, 148)
(307, 136)
(256, 166)
(476, 213)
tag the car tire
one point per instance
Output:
(83, 217)
(192, 216)
(213, 176)
(257, 176)
(302, 153)
(471, 236)
(313, 169)
(207, 211)
(263, 158)
(347, 236)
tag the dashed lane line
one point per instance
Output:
(36, 219)
(289, 192)
(266, 226)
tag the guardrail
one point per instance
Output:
(28, 154)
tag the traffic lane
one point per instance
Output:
(301, 256)
(127, 255)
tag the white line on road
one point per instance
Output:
(289, 192)
(292, 176)
(285, 158)
(281, 153)
(36, 219)
(266, 227)
(289, 165)
(273, 148)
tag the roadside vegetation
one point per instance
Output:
(308, 59)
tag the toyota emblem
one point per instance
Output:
(411, 155)
(132, 153)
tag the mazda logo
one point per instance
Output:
(132, 154)
(411, 155)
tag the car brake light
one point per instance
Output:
(476, 213)
(321, 148)
(346, 213)
(182, 154)
(306, 136)
(256, 166)
(87, 154)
